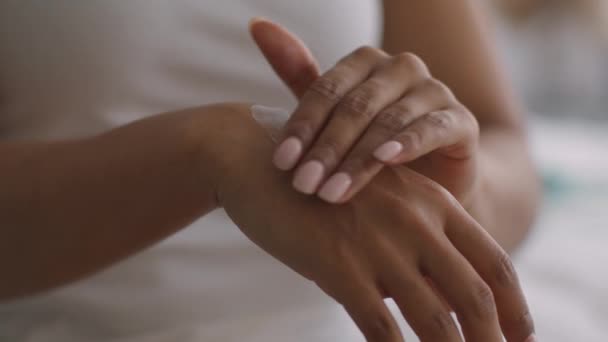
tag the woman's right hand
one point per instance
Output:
(403, 237)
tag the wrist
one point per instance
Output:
(219, 138)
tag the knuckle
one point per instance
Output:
(430, 231)
(394, 118)
(411, 62)
(482, 305)
(355, 164)
(522, 325)
(475, 130)
(415, 217)
(359, 104)
(440, 120)
(302, 128)
(504, 271)
(326, 151)
(464, 114)
(440, 326)
(367, 51)
(379, 327)
(412, 139)
(440, 88)
(449, 200)
(427, 228)
(328, 88)
(441, 195)
(435, 84)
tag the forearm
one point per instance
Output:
(70, 208)
(508, 192)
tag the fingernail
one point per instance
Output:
(308, 177)
(532, 338)
(288, 153)
(335, 187)
(388, 151)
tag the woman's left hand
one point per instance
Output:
(371, 109)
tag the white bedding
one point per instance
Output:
(563, 264)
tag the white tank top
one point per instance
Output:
(74, 68)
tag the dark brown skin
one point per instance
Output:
(367, 99)
(85, 204)
(448, 103)
(401, 230)
(481, 158)
(509, 190)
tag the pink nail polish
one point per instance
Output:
(388, 151)
(288, 153)
(308, 177)
(335, 188)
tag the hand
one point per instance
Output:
(401, 230)
(368, 110)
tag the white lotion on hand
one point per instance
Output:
(271, 118)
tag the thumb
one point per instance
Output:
(288, 56)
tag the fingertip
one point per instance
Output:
(335, 188)
(259, 27)
(388, 151)
(308, 177)
(257, 20)
(288, 153)
(532, 338)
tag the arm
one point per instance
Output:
(402, 231)
(68, 209)
(450, 37)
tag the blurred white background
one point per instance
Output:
(556, 51)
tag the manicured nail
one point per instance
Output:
(308, 177)
(388, 151)
(335, 188)
(288, 153)
(532, 338)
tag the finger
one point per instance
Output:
(466, 292)
(366, 307)
(361, 164)
(444, 124)
(421, 307)
(318, 101)
(286, 53)
(437, 130)
(343, 185)
(354, 113)
(496, 268)
(438, 294)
